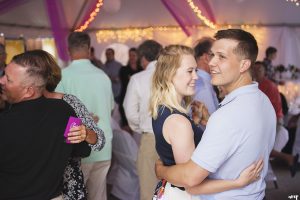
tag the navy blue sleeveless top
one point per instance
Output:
(163, 148)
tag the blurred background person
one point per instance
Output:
(126, 72)
(94, 60)
(204, 90)
(271, 54)
(112, 69)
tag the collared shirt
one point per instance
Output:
(93, 87)
(205, 92)
(112, 69)
(136, 102)
(239, 133)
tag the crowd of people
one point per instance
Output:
(209, 120)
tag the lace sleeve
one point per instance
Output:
(86, 118)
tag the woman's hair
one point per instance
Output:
(41, 67)
(163, 91)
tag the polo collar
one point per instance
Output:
(238, 92)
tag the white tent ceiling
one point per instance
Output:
(281, 20)
(136, 13)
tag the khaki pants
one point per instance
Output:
(147, 156)
(95, 179)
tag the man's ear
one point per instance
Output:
(30, 92)
(206, 57)
(245, 65)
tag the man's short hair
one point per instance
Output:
(79, 41)
(38, 65)
(150, 50)
(110, 49)
(247, 46)
(203, 46)
(270, 50)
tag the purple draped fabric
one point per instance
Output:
(91, 7)
(7, 5)
(183, 14)
(176, 16)
(59, 27)
(206, 9)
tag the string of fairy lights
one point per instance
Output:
(198, 13)
(138, 34)
(296, 2)
(92, 16)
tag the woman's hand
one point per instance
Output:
(77, 134)
(250, 174)
(200, 113)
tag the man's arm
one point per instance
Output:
(131, 105)
(188, 174)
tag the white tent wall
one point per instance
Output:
(285, 39)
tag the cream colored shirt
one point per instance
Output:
(136, 102)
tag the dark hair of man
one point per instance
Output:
(150, 50)
(247, 46)
(110, 49)
(270, 50)
(92, 50)
(133, 49)
(78, 41)
(203, 46)
(38, 64)
(261, 63)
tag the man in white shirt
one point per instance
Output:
(239, 133)
(136, 106)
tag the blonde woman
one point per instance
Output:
(176, 135)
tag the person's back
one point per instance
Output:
(33, 149)
(90, 87)
(248, 135)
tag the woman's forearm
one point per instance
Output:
(209, 186)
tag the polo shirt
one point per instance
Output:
(239, 133)
(93, 87)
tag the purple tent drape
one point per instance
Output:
(171, 8)
(7, 5)
(185, 16)
(206, 9)
(59, 27)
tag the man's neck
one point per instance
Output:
(79, 55)
(244, 80)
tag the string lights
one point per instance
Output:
(91, 18)
(137, 34)
(296, 2)
(197, 11)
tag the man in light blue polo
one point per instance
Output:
(204, 90)
(93, 87)
(240, 132)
